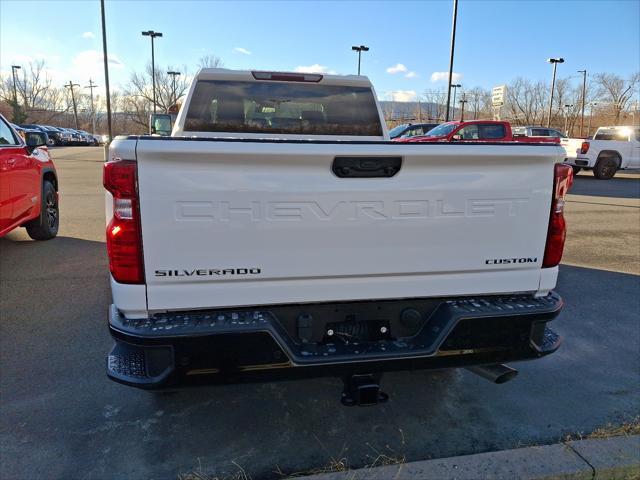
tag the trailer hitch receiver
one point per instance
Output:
(363, 390)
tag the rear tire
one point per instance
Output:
(606, 168)
(45, 227)
(576, 170)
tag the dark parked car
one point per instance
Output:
(73, 137)
(88, 138)
(22, 131)
(55, 134)
(411, 129)
(38, 128)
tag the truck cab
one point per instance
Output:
(611, 149)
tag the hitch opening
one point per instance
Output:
(363, 390)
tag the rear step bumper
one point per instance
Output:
(227, 346)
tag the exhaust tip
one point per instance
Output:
(497, 373)
(506, 376)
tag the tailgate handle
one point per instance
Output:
(366, 167)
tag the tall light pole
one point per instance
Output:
(453, 47)
(106, 72)
(455, 87)
(554, 62)
(173, 86)
(592, 104)
(566, 118)
(152, 34)
(359, 49)
(584, 92)
(91, 86)
(70, 86)
(463, 100)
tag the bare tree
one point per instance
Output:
(138, 93)
(616, 91)
(479, 103)
(525, 101)
(210, 61)
(38, 99)
(437, 104)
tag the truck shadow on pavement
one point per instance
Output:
(620, 187)
(60, 415)
(22, 258)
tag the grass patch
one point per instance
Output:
(377, 459)
(626, 429)
(239, 474)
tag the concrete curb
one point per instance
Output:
(607, 458)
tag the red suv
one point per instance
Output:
(28, 184)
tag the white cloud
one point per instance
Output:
(443, 76)
(398, 67)
(90, 64)
(401, 96)
(315, 68)
(411, 75)
(244, 51)
(91, 57)
(88, 35)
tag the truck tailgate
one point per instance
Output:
(231, 223)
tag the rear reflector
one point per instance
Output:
(287, 77)
(124, 239)
(562, 181)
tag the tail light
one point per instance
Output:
(124, 239)
(562, 181)
(584, 148)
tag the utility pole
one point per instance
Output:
(93, 110)
(359, 49)
(584, 92)
(453, 47)
(455, 87)
(463, 100)
(566, 118)
(152, 34)
(106, 70)
(554, 62)
(173, 86)
(592, 104)
(70, 86)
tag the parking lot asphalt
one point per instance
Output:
(61, 418)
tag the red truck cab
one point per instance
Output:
(475, 131)
(28, 184)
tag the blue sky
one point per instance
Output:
(409, 41)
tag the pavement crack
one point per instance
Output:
(593, 470)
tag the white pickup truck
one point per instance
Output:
(278, 233)
(612, 149)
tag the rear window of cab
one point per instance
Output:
(282, 108)
(621, 135)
